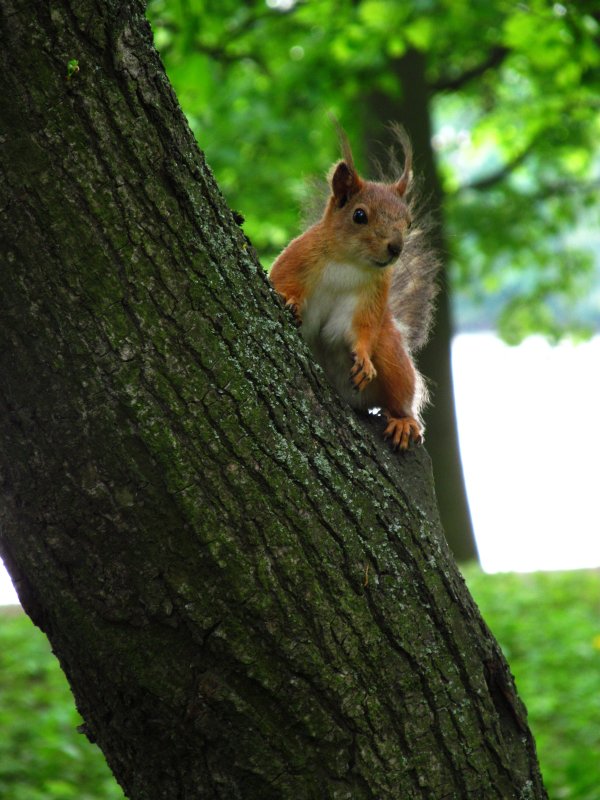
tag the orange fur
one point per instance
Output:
(337, 277)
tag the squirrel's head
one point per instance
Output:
(368, 220)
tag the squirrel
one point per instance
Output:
(361, 283)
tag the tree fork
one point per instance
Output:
(250, 594)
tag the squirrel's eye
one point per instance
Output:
(360, 216)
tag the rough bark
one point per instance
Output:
(411, 107)
(250, 595)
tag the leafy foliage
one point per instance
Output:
(547, 623)
(513, 94)
(42, 757)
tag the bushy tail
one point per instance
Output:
(414, 288)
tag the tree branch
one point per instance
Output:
(565, 187)
(450, 84)
(220, 51)
(191, 510)
(488, 181)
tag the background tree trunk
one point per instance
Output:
(249, 593)
(411, 107)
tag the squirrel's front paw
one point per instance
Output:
(292, 305)
(401, 430)
(363, 371)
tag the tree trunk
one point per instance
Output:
(249, 593)
(412, 109)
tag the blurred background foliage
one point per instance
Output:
(513, 94)
(42, 756)
(548, 625)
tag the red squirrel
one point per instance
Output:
(362, 285)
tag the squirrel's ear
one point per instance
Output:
(344, 183)
(401, 185)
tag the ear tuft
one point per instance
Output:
(403, 182)
(344, 183)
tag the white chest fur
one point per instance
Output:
(328, 312)
(327, 325)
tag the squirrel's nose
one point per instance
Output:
(395, 248)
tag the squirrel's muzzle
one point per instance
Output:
(394, 248)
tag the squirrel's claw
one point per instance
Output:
(362, 372)
(294, 308)
(403, 430)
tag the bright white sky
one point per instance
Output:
(529, 422)
(7, 592)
